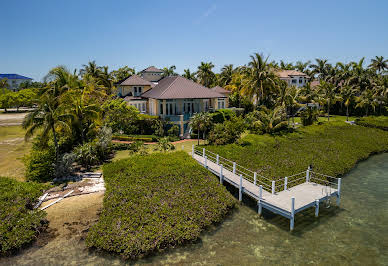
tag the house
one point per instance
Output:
(222, 91)
(14, 80)
(293, 77)
(152, 74)
(175, 98)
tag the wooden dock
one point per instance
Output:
(285, 196)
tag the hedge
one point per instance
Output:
(155, 202)
(332, 148)
(19, 224)
(380, 122)
(145, 138)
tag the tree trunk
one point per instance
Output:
(198, 136)
(328, 111)
(347, 113)
(55, 144)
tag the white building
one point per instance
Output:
(14, 80)
(293, 77)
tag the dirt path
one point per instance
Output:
(11, 119)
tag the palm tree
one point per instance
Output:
(268, 120)
(201, 122)
(91, 69)
(300, 66)
(190, 75)
(379, 64)
(366, 100)
(320, 68)
(260, 79)
(205, 74)
(4, 84)
(286, 66)
(235, 85)
(169, 71)
(328, 95)
(347, 94)
(226, 75)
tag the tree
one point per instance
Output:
(226, 75)
(6, 100)
(91, 69)
(320, 68)
(205, 74)
(347, 95)
(235, 85)
(119, 116)
(379, 64)
(169, 71)
(366, 100)
(267, 120)
(122, 73)
(302, 67)
(201, 122)
(259, 79)
(190, 75)
(327, 92)
(4, 84)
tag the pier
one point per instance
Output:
(284, 196)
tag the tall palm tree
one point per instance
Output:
(226, 75)
(328, 95)
(347, 94)
(286, 66)
(205, 74)
(302, 67)
(366, 100)
(320, 68)
(260, 79)
(169, 71)
(201, 122)
(189, 75)
(379, 64)
(235, 85)
(91, 69)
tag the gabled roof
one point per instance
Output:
(220, 90)
(178, 87)
(152, 69)
(136, 80)
(289, 73)
(13, 76)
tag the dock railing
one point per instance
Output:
(271, 185)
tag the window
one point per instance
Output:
(300, 81)
(161, 108)
(294, 81)
(221, 103)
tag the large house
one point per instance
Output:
(175, 97)
(293, 77)
(14, 80)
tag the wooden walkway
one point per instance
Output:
(285, 196)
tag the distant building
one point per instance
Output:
(293, 77)
(14, 80)
(152, 74)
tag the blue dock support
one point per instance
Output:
(273, 187)
(339, 192)
(221, 175)
(316, 208)
(259, 210)
(292, 218)
(240, 189)
(285, 183)
(254, 178)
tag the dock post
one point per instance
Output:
(240, 189)
(273, 187)
(259, 210)
(254, 178)
(339, 192)
(292, 219)
(285, 183)
(316, 208)
(218, 159)
(192, 150)
(221, 176)
(234, 167)
(205, 161)
(308, 174)
(203, 152)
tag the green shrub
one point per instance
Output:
(173, 131)
(156, 201)
(380, 122)
(165, 145)
(120, 116)
(222, 115)
(227, 132)
(332, 148)
(309, 116)
(40, 165)
(144, 138)
(19, 224)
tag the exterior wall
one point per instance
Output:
(151, 76)
(298, 81)
(125, 90)
(141, 105)
(13, 84)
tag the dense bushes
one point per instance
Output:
(227, 132)
(380, 122)
(332, 148)
(19, 224)
(145, 138)
(309, 116)
(40, 164)
(156, 201)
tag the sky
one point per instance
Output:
(37, 35)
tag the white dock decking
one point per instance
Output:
(285, 196)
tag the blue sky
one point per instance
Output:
(41, 34)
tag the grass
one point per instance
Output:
(332, 148)
(333, 118)
(19, 224)
(155, 202)
(12, 150)
(380, 122)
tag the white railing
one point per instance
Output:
(268, 184)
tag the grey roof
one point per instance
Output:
(220, 90)
(152, 69)
(13, 76)
(178, 87)
(136, 80)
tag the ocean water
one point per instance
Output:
(356, 233)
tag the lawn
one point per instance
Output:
(155, 202)
(331, 148)
(12, 150)
(333, 118)
(380, 122)
(19, 224)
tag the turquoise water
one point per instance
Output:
(354, 234)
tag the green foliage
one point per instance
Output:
(144, 138)
(19, 224)
(332, 148)
(227, 132)
(155, 202)
(380, 122)
(40, 164)
(120, 116)
(222, 115)
(309, 116)
(267, 120)
(165, 145)
(173, 131)
(136, 147)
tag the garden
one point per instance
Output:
(155, 202)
